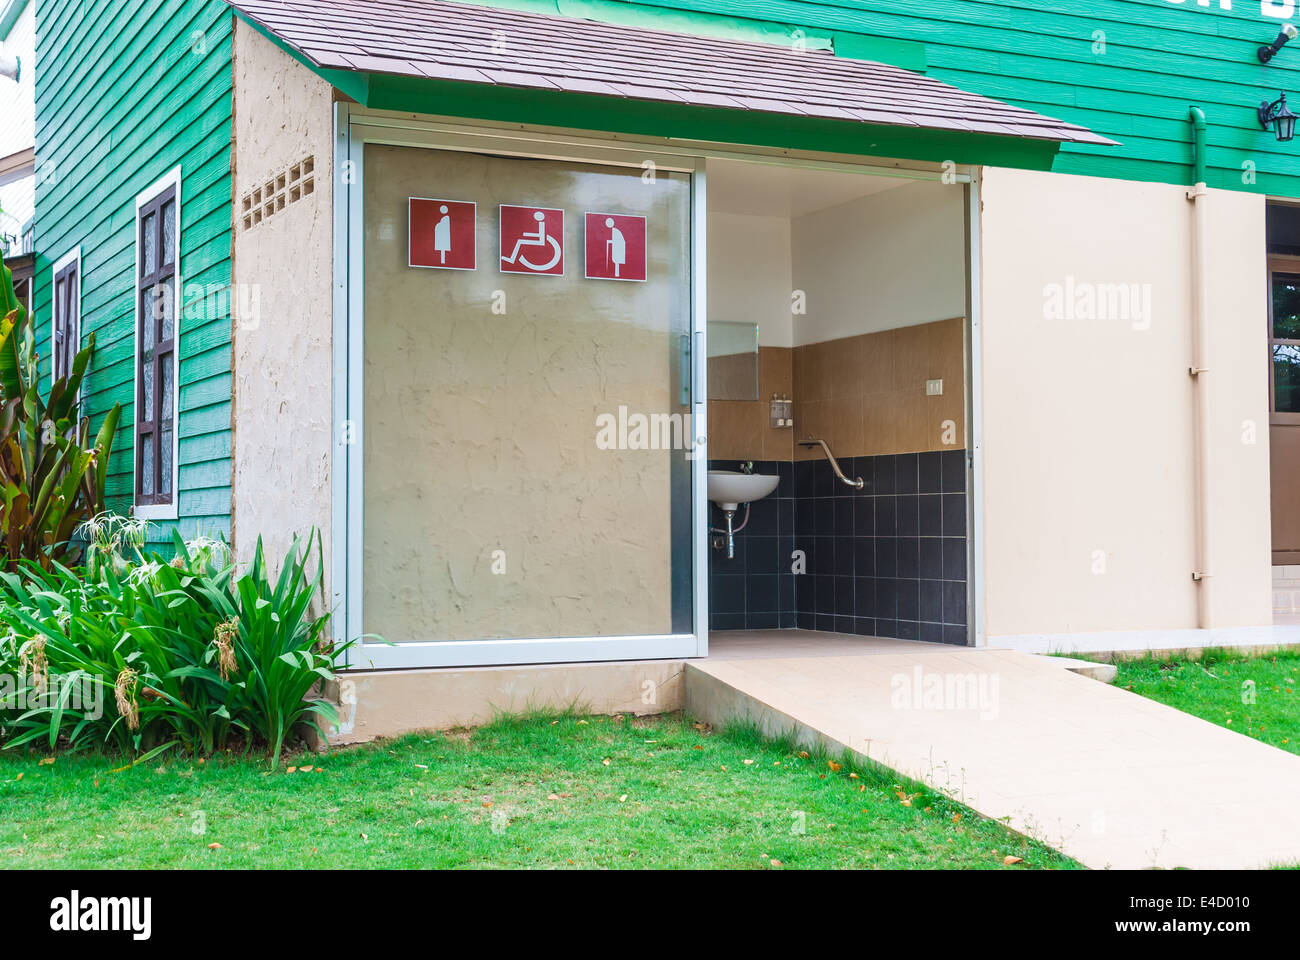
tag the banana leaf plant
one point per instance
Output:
(51, 478)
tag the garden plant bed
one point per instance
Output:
(542, 791)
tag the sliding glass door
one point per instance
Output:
(521, 390)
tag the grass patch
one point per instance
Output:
(540, 792)
(1220, 685)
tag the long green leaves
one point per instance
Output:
(139, 652)
(50, 480)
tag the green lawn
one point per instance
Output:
(1219, 687)
(539, 792)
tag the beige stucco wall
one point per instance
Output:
(1088, 423)
(282, 350)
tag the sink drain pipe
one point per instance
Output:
(730, 532)
(1199, 371)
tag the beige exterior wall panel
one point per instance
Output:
(1089, 499)
(390, 703)
(282, 359)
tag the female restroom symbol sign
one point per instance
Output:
(442, 233)
(615, 247)
(532, 240)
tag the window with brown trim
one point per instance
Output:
(157, 230)
(65, 335)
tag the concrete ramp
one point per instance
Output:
(1106, 776)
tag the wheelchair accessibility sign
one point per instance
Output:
(532, 240)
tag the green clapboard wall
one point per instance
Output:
(1129, 69)
(125, 91)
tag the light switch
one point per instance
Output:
(934, 388)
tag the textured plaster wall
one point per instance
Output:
(1088, 419)
(480, 423)
(282, 354)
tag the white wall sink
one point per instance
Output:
(729, 489)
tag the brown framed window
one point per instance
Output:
(157, 284)
(1284, 339)
(65, 332)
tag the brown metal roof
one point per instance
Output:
(476, 44)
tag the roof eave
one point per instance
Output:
(689, 122)
(575, 110)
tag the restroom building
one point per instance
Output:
(491, 293)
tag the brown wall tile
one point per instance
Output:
(863, 395)
(741, 430)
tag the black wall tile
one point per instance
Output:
(931, 601)
(929, 472)
(727, 594)
(905, 473)
(864, 596)
(886, 517)
(886, 556)
(954, 602)
(886, 598)
(954, 471)
(909, 557)
(844, 517)
(954, 558)
(785, 470)
(908, 599)
(844, 596)
(883, 472)
(931, 566)
(929, 507)
(954, 514)
(864, 556)
(761, 555)
(864, 517)
(844, 559)
(888, 560)
(906, 507)
(825, 519)
(762, 518)
(762, 594)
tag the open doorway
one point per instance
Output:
(838, 330)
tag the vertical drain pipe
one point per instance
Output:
(1199, 371)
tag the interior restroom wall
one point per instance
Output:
(749, 282)
(890, 259)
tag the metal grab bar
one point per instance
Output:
(856, 483)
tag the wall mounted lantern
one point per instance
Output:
(1289, 32)
(1277, 116)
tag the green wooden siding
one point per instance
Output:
(1128, 69)
(126, 90)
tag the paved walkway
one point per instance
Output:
(1104, 775)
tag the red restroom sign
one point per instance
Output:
(532, 240)
(442, 233)
(615, 247)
